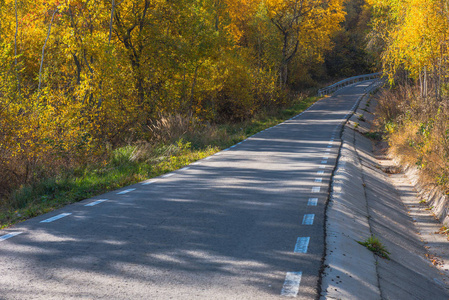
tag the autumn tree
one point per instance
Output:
(414, 38)
(298, 20)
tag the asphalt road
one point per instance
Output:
(246, 223)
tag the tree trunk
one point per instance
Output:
(15, 47)
(43, 49)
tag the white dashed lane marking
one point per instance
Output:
(312, 202)
(316, 189)
(60, 216)
(320, 172)
(126, 191)
(149, 182)
(324, 161)
(308, 219)
(291, 284)
(302, 243)
(96, 202)
(318, 180)
(9, 235)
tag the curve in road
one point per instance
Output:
(245, 223)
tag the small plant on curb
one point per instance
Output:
(374, 245)
(376, 135)
(362, 118)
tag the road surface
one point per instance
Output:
(246, 223)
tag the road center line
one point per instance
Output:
(308, 219)
(9, 235)
(312, 202)
(302, 243)
(55, 218)
(291, 284)
(125, 191)
(96, 202)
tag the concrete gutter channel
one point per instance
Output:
(366, 201)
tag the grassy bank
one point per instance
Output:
(181, 142)
(417, 129)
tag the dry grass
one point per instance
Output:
(418, 132)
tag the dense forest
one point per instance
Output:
(85, 82)
(81, 76)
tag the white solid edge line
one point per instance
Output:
(308, 219)
(55, 218)
(168, 175)
(125, 191)
(291, 284)
(302, 243)
(9, 235)
(96, 202)
(207, 158)
(185, 168)
(312, 202)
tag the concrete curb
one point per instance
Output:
(349, 267)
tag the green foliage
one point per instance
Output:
(350, 56)
(374, 245)
(136, 162)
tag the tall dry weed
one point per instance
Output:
(418, 130)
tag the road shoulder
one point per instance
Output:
(367, 201)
